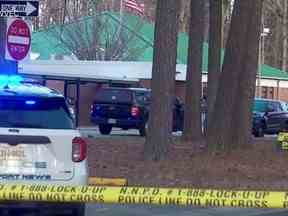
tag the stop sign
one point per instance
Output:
(18, 40)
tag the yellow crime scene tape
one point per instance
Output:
(282, 140)
(107, 181)
(149, 196)
(282, 136)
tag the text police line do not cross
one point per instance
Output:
(11, 8)
(148, 196)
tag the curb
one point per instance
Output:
(107, 181)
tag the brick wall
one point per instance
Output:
(57, 85)
(283, 94)
(179, 87)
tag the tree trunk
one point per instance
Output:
(215, 44)
(232, 114)
(192, 124)
(285, 34)
(226, 20)
(244, 104)
(163, 80)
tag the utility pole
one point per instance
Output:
(7, 67)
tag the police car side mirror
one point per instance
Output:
(70, 101)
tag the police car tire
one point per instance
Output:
(105, 129)
(79, 210)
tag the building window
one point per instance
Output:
(267, 92)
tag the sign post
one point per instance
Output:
(12, 8)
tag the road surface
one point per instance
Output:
(93, 132)
(140, 210)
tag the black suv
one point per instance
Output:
(127, 108)
(269, 116)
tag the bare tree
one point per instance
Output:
(163, 80)
(100, 37)
(192, 123)
(276, 45)
(54, 11)
(215, 45)
(231, 128)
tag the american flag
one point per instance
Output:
(134, 6)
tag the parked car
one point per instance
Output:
(127, 108)
(269, 116)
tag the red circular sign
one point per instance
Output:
(18, 39)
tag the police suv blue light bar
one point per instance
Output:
(30, 102)
(6, 80)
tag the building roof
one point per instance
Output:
(92, 71)
(44, 43)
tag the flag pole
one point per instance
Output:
(121, 17)
(121, 10)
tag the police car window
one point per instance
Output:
(35, 113)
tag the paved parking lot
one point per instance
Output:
(148, 210)
(93, 132)
(140, 210)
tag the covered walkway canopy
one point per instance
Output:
(72, 72)
(98, 71)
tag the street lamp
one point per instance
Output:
(265, 32)
(261, 60)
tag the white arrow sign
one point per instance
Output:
(19, 8)
(30, 8)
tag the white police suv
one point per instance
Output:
(38, 141)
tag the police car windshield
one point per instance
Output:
(42, 113)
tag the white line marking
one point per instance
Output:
(18, 40)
